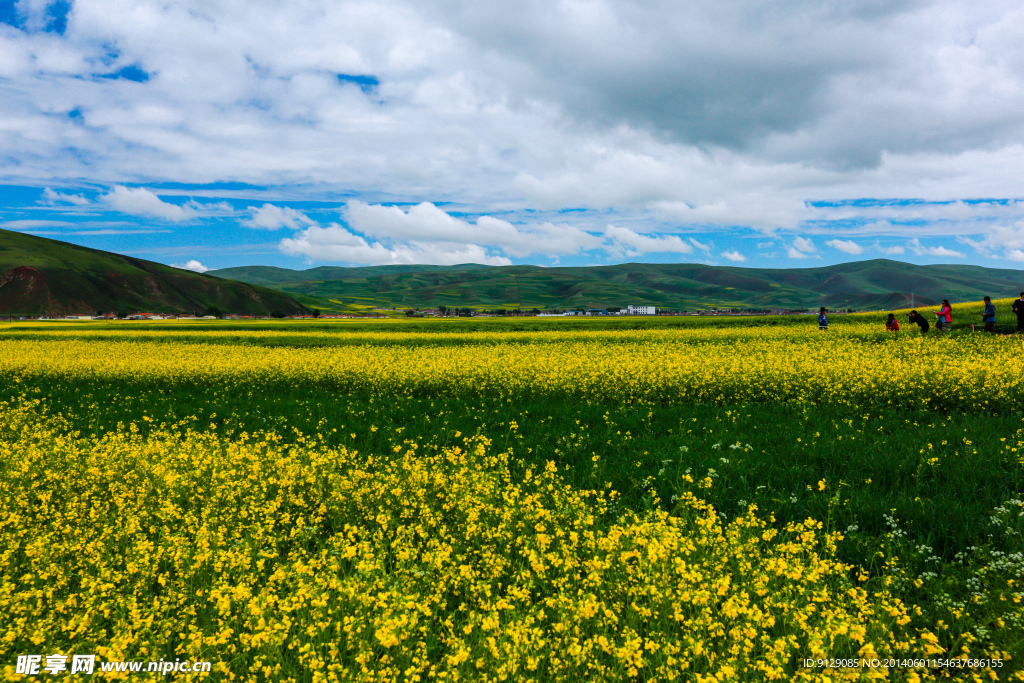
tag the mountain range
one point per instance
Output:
(40, 276)
(863, 285)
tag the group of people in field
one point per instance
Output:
(944, 317)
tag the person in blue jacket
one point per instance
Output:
(822, 320)
(989, 316)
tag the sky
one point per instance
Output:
(784, 134)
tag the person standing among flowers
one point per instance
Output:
(989, 316)
(1018, 309)
(945, 315)
(916, 317)
(822, 320)
(891, 324)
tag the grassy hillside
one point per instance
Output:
(42, 276)
(864, 285)
(271, 275)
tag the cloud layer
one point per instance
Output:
(553, 129)
(424, 233)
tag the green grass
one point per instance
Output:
(860, 285)
(874, 465)
(947, 530)
(69, 279)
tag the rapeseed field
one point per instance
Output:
(395, 502)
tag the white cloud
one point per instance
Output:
(426, 222)
(138, 201)
(34, 224)
(192, 265)
(502, 109)
(52, 197)
(392, 234)
(700, 245)
(423, 221)
(210, 208)
(846, 246)
(112, 231)
(793, 252)
(891, 250)
(942, 251)
(915, 246)
(734, 255)
(624, 242)
(271, 217)
(335, 243)
(804, 245)
(999, 241)
(1015, 255)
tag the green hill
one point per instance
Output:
(862, 285)
(42, 276)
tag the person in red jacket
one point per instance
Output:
(945, 315)
(891, 324)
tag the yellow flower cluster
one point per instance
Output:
(297, 561)
(763, 364)
(301, 562)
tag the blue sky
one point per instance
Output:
(571, 133)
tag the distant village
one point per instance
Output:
(440, 312)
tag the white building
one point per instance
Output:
(640, 310)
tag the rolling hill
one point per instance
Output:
(863, 285)
(40, 276)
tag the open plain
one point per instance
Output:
(515, 499)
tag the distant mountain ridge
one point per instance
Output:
(40, 276)
(861, 285)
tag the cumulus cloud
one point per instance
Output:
(271, 217)
(915, 246)
(52, 197)
(804, 245)
(138, 201)
(392, 234)
(335, 243)
(192, 264)
(892, 250)
(942, 251)
(425, 222)
(999, 241)
(629, 243)
(210, 208)
(1015, 255)
(793, 252)
(846, 246)
(734, 255)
